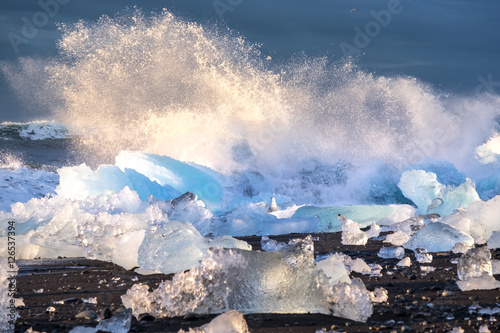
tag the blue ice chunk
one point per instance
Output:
(489, 187)
(431, 196)
(207, 184)
(437, 237)
(363, 215)
(80, 182)
(446, 172)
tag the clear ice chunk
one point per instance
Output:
(175, 247)
(422, 256)
(437, 237)
(475, 270)
(391, 252)
(352, 301)
(364, 215)
(397, 238)
(334, 268)
(430, 196)
(285, 281)
(479, 219)
(119, 323)
(351, 233)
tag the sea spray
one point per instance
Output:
(315, 130)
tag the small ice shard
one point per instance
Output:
(457, 330)
(484, 328)
(405, 262)
(379, 295)
(376, 270)
(271, 245)
(374, 230)
(430, 196)
(397, 238)
(494, 240)
(363, 215)
(175, 247)
(422, 256)
(391, 252)
(285, 281)
(358, 265)
(351, 233)
(232, 279)
(273, 207)
(437, 237)
(475, 270)
(252, 219)
(334, 268)
(228, 322)
(83, 329)
(479, 219)
(352, 301)
(119, 323)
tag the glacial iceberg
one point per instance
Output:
(285, 281)
(430, 196)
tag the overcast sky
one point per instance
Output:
(448, 43)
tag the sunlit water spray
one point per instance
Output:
(313, 129)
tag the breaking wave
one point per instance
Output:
(162, 85)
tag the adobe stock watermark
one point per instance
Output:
(487, 85)
(372, 29)
(223, 6)
(31, 26)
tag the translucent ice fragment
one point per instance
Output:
(430, 196)
(271, 245)
(334, 269)
(379, 295)
(479, 219)
(351, 233)
(422, 256)
(391, 252)
(229, 322)
(437, 237)
(405, 262)
(285, 281)
(352, 301)
(374, 230)
(202, 181)
(119, 323)
(475, 270)
(397, 238)
(364, 215)
(175, 247)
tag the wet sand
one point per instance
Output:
(418, 302)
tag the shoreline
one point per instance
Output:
(418, 301)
